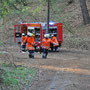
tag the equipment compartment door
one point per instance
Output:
(53, 30)
(17, 33)
(37, 34)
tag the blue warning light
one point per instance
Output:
(51, 23)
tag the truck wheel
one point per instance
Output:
(60, 44)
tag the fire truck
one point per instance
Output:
(38, 29)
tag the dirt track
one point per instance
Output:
(66, 70)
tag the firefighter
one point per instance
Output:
(30, 44)
(55, 46)
(22, 44)
(46, 45)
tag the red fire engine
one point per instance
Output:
(38, 29)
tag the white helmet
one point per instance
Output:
(29, 34)
(23, 34)
(52, 35)
(46, 35)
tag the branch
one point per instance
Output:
(16, 7)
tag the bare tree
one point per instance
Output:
(85, 14)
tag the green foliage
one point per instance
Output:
(26, 9)
(43, 2)
(38, 9)
(12, 7)
(16, 78)
(1, 43)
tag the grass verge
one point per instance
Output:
(16, 77)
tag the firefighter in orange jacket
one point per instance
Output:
(30, 44)
(22, 44)
(46, 45)
(55, 47)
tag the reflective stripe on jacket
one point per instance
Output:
(30, 43)
(46, 43)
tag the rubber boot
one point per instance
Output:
(44, 57)
(30, 56)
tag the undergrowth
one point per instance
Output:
(16, 77)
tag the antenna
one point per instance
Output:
(48, 16)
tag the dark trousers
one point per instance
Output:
(45, 53)
(55, 48)
(23, 47)
(31, 53)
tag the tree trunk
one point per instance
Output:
(85, 13)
